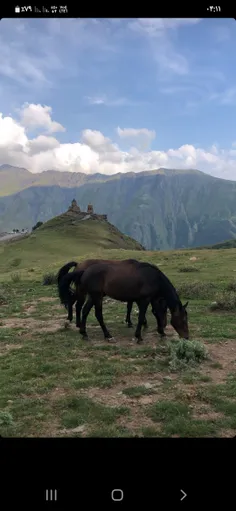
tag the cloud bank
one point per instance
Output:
(94, 152)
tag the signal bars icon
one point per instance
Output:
(42, 10)
(51, 495)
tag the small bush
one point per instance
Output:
(225, 302)
(231, 286)
(3, 298)
(184, 353)
(49, 279)
(36, 226)
(15, 277)
(188, 269)
(5, 419)
(197, 290)
(16, 262)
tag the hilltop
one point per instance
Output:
(68, 236)
(162, 209)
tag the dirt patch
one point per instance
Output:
(31, 323)
(46, 299)
(136, 420)
(57, 393)
(114, 396)
(225, 354)
(227, 433)
(29, 309)
(204, 412)
(8, 347)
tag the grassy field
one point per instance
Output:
(54, 384)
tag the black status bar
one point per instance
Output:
(82, 10)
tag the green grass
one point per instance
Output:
(81, 410)
(138, 391)
(54, 384)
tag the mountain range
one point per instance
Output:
(161, 209)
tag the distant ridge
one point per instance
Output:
(162, 209)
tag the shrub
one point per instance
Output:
(188, 269)
(184, 353)
(231, 286)
(37, 225)
(5, 419)
(224, 301)
(49, 279)
(3, 298)
(15, 277)
(197, 290)
(16, 262)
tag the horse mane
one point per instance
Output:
(170, 292)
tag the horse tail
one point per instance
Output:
(64, 285)
(65, 269)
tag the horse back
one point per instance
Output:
(90, 262)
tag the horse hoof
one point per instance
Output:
(111, 339)
(139, 340)
(66, 324)
(130, 325)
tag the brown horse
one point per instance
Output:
(161, 314)
(137, 282)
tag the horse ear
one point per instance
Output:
(186, 305)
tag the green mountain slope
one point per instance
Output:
(64, 237)
(223, 245)
(162, 209)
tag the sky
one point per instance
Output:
(118, 95)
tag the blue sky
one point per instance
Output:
(114, 95)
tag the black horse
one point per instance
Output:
(161, 315)
(140, 282)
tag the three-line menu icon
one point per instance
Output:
(51, 495)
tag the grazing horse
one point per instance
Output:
(137, 282)
(161, 314)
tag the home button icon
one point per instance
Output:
(117, 495)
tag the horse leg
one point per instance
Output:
(159, 319)
(85, 312)
(72, 300)
(99, 316)
(70, 311)
(145, 323)
(78, 307)
(142, 305)
(128, 318)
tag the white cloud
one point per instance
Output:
(97, 153)
(133, 133)
(42, 144)
(34, 116)
(113, 102)
(142, 136)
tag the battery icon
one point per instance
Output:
(17, 8)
